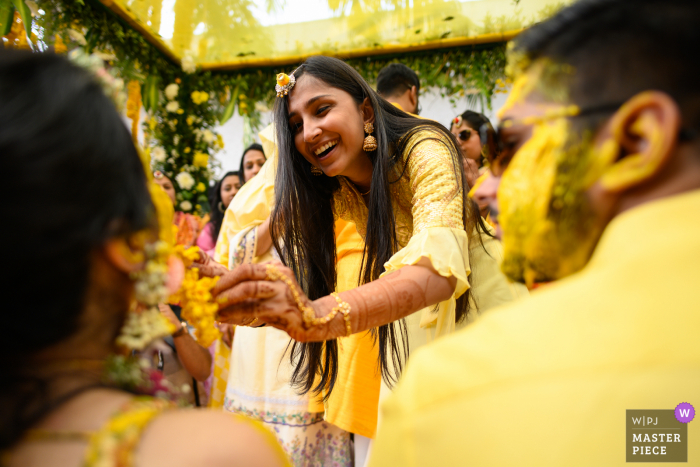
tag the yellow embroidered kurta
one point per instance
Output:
(427, 204)
(428, 210)
(547, 381)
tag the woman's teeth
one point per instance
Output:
(325, 147)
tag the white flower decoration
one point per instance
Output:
(185, 180)
(158, 154)
(76, 36)
(186, 206)
(105, 56)
(33, 7)
(208, 136)
(172, 106)
(188, 65)
(171, 91)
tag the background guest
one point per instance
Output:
(251, 162)
(399, 85)
(220, 197)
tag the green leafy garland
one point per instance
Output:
(184, 108)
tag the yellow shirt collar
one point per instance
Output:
(648, 227)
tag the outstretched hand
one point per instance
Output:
(245, 294)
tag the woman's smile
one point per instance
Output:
(326, 152)
(325, 149)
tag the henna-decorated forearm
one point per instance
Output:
(388, 299)
(245, 293)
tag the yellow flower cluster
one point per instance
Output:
(200, 159)
(198, 305)
(199, 97)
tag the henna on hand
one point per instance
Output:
(208, 267)
(242, 273)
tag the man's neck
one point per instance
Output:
(681, 176)
(402, 102)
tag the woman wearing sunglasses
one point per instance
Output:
(474, 134)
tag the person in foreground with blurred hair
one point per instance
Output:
(601, 194)
(77, 268)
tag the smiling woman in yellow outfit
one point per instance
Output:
(344, 153)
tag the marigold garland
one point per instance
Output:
(195, 298)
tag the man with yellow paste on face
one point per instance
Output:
(601, 196)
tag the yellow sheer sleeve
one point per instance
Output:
(438, 227)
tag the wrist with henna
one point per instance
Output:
(385, 300)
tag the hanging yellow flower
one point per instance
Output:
(58, 46)
(199, 97)
(133, 106)
(201, 187)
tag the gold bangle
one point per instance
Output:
(253, 322)
(307, 313)
(343, 307)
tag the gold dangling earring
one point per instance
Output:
(370, 143)
(316, 171)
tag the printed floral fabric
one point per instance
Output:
(259, 384)
(305, 437)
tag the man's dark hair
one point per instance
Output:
(395, 79)
(619, 48)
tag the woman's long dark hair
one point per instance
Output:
(217, 215)
(302, 220)
(241, 170)
(74, 180)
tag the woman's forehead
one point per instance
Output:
(307, 90)
(252, 155)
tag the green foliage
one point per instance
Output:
(7, 14)
(471, 72)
